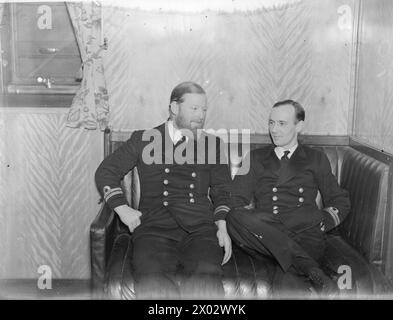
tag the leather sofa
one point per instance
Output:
(362, 242)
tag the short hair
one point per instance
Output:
(300, 114)
(185, 87)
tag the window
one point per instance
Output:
(40, 55)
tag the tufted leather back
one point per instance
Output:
(366, 180)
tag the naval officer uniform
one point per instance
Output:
(175, 248)
(283, 219)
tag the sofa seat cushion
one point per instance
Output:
(250, 276)
(244, 276)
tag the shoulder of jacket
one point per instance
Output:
(146, 134)
(313, 151)
(136, 136)
(261, 152)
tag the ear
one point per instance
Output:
(174, 107)
(299, 126)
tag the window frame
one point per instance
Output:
(14, 94)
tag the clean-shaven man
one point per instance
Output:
(282, 183)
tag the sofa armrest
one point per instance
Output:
(119, 280)
(365, 227)
(102, 235)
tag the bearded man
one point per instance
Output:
(179, 232)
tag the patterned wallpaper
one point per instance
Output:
(245, 61)
(374, 113)
(48, 198)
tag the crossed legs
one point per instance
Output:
(297, 254)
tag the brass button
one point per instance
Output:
(301, 190)
(275, 207)
(192, 186)
(274, 198)
(191, 194)
(193, 174)
(274, 189)
(275, 211)
(301, 199)
(165, 203)
(192, 200)
(165, 193)
(166, 181)
(167, 170)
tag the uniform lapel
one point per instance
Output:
(295, 164)
(167, 144)
(271, 162)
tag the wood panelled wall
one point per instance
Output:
(48, 198)
(374, 98)
(245, 61)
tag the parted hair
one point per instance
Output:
(300, 114)
(185, 87)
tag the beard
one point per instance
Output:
(190, 127)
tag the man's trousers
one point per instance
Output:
(263, 234)
(172, 263)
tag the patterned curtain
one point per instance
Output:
(90, 107)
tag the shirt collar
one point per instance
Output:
(280, 151)
(174, 133)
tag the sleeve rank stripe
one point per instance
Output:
(334, 215)
(112, 193)
(221, 208)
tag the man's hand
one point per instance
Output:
(129, 216)
(249, 206)
(224, 240)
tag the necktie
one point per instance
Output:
(284, 161)
(180, 141)
(285, 156)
